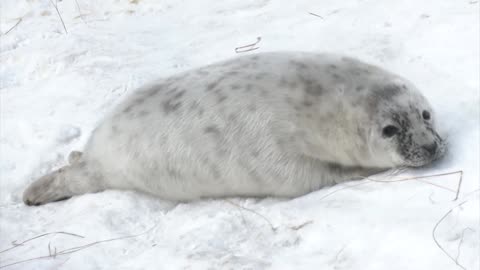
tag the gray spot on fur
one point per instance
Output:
(127, 109)
(366, 71)
(143, 113)
(202, 72)
(232, 118)
(307, 103)
(310, 86)
(179, 94)
(250, 64)
(211, 86)
(313, 89)
(172, 91)
(170, 106)
(387, 92)
(173, 103)
(218, 138)
(230, 73)
(356, 72)
(360, 88)
(212, 129)
(299, 65)
(152, 91)
(221, 98)
(261, 75)
(173, 173)
(194, 106)
(136, 102)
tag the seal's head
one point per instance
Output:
(404, 126)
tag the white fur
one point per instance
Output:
(242, 127)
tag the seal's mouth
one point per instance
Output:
(426, 154)
(441, 151)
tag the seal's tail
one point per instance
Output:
(74, 179)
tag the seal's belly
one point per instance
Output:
(177, 158)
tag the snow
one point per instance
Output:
(55, 87)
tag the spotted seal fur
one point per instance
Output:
(267, 124)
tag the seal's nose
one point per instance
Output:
(431, 148)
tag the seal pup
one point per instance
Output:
(268, 124)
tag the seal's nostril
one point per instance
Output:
(431, 148)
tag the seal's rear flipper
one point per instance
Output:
(74, 157)
(48, 188)
(64, 183)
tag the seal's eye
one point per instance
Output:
(390, 131)
(426, 115)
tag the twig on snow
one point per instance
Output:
(11, 28)
(15, 244)
(255, 212)
(438, 243)
(60, 16)
(298, 227)
(420, 179)
(54, 254)
(461, 242)
(339, 252)
(417, 178)
(355, 185)
(249, 47)
(463, 232)
(459, 185)
(457, 192)
(244, 221)
(80, 13)
(316, 15)
(342, 188)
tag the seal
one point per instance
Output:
(269, 124)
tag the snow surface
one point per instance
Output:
(55, 87)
